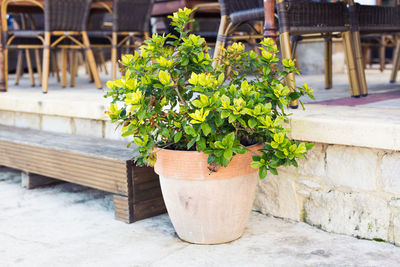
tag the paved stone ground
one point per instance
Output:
(378, 82)
(85, 92)
(70, 225)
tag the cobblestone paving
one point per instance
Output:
(70, 225)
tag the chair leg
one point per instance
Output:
(359, 63)
(72, 63)
(365, 56)
(382, 54)
(80, 60)
(114, 60)
(328, 63)
(368, 57)
(77, 63)
(29, 65)
(88, 72)
(92, 62)
(38, 65)
(396, 63)
(46, 62)
(284, 39)
(220, 42)
(5, 51)
(64, 66)
(103, 62)
(54, 65)
(20, 65)
(351, 65)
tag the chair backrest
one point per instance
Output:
(66, 15)
(230, 6)
(132, 15)
(304, 16)
(376, 19)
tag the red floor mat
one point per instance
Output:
(351, 101)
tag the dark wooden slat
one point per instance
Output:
(143, 174)
(149, 208)
(149, 191)
(31, 180)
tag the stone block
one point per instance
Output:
(7, 118)
(357, 214)
(308, 184)
(396, 230)
(313, 164)
(353, 167)
(112, 132)
(27, 120)
(85, 127)
(310, 57)
(276, 195)
(57, 124)
(395, 203)
(390, 169)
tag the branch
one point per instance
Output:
(183, 102)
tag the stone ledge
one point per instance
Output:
(352, 126)
(85, 104)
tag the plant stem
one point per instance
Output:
(255, 154)
(183, 102)
(159, 148)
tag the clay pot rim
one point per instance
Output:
(195, 151)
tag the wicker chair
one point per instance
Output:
(64, 20)
(24, 39)
(373, 19)
(237, 13)
(379, 19)
(22, 21)
(315, 20)
(131, 19)
(67, 20)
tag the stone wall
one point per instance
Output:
(341, 189)
(310, 56)
(101, 128)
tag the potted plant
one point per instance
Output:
(206, 130)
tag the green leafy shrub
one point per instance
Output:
(171, 97)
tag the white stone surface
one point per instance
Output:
(368, 127)
(69, 225)
(57, 124)
(311, 54)
(276, 195)
(7, 117)
(396, 230)
(395, 203)
(338, 61)
(314, 163)
(352, 167)
(390, 170)
(343, 125)
(355, 214)
(112, 132)
(27, 120)
(83, 101)
(88, 127)
(308, 184)
(310, 57)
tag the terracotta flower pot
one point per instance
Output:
(207, 207)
